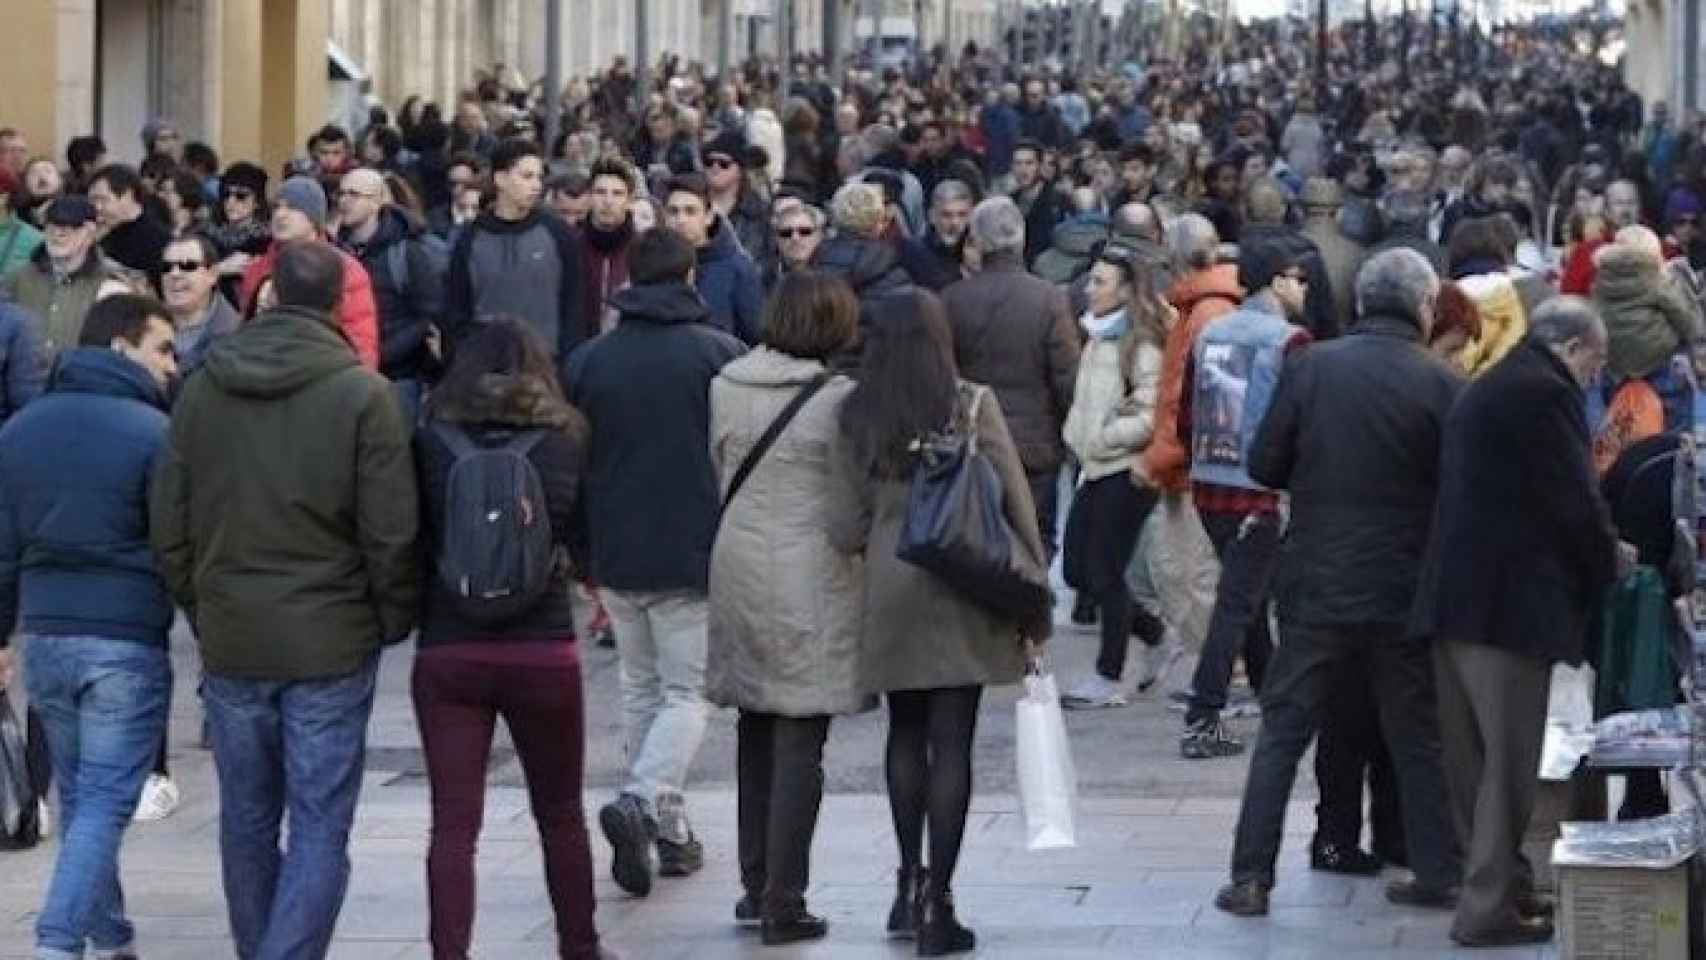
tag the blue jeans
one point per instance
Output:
(296, 746)
(103, 702)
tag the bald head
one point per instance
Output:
(1137, 220)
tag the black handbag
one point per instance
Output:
(19, 828)
(955, 527)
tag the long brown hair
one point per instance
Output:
(908, 383)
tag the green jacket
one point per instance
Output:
(284, 509)
(57, 303)
(18, 242)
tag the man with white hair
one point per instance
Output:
(1353, 435)
(857, 253)
(1015, 333)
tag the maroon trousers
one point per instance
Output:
(457, 703)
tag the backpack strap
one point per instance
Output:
(454, 437)
(523, 443)
(764, 443)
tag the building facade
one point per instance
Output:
(1664, 43)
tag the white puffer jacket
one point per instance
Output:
(1110, 422)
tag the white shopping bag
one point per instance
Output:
(1048, 784)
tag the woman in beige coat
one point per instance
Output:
(929, 648)
(784, 620)
(1111, 421)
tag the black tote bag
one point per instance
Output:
(955, 527)
(19, 828)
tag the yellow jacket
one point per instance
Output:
(1503, 322)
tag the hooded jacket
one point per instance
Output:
(284, 509)
(651, 493)
(1647, 318)
(528, 268)
(500, 407)
(1503, 322)
(1074, 242)
(729, 283)
(357, 316)
(74, 551)
(1113, 402)
(409, 301)
(1201, 298)
(873, 269)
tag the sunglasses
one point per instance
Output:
(181, 266)
(721, 163)
(789, 233)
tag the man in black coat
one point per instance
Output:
(1353, 434)
(1522, 550)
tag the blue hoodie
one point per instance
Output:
(74, 474)
(730, 284)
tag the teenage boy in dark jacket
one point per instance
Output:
(652, 505)
(79, 578)
(726, 277)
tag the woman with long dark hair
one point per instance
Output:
(501, 392)
(927, 647)
(1112, 420)
(784, 621)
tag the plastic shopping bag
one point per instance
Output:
(1048, 784)
(18, 824)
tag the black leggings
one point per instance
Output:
(929, 775)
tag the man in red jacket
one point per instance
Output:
(300, 214)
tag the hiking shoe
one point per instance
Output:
(631, 833)
(1155, 662)
(1093, 693)
(1207, 740)
(680, 859)
(158, 801)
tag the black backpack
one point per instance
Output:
(496, 551)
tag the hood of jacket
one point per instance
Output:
(724, 244)
(1220, 280)
(767, 367)
(104, 371)
(279, 353)
(1078, 236)
(395, 225)
(505, 399)
(672, 302)
(1624, 274)
(862, 262)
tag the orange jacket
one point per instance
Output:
(1200, 298)
(357, 316)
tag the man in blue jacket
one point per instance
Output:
(79, 578)
(728, 280)
(652, 505)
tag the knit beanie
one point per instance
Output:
(305, 195)
(1262, 259)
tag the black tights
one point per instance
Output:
(929, 774)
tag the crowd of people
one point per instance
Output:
(1333, 362)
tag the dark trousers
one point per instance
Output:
(1045, 494)
(780, 765)
(1247, 544)
(457, 703)
(1350, 751)
(1492, 710)
(1101, 532)
(1294, 700)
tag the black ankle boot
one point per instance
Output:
(908, 902)
(939, 933)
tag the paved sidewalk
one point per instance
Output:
(1155, 835)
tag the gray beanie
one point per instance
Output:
(304, 195)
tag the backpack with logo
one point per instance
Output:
(496, 552)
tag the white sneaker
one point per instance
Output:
(1156, 662)
(159, 799)
(1094, 692)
